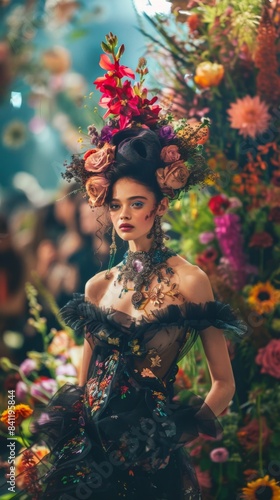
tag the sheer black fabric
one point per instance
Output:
(122, 435)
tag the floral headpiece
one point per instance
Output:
(180, 163)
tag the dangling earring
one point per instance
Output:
(157, 233)
(113, 250)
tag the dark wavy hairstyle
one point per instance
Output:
(137, 157)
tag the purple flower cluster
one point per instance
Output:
(106, 133)
(230, 238)
(166, 132)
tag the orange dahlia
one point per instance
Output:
(16, 414)
(249, 116)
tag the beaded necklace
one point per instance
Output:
(140, 267)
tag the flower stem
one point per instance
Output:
(220, 479)
(260, 436)
(261, 261)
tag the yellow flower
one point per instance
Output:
(264, 297)
(209, 74)
(16, 414)
(262, 488)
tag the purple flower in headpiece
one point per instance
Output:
(106, 133)
(166, 132)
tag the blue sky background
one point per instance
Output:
(43, 155)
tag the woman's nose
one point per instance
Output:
(125, 214)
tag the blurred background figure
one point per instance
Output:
(12, 279)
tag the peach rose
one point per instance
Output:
(170, 154)
(96, 187)
(100, 159)
(173, 176)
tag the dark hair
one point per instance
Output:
(137, 157)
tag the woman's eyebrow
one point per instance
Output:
(132, 198)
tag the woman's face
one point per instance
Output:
(133, 209)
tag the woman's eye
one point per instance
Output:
(113, 206)
(138, 204)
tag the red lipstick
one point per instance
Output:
(126, 227)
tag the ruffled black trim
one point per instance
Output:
(79, 314)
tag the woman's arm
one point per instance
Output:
(91, 294)
(198, 289)
(87, 354)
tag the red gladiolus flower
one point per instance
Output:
(106, 82)
(218, 204)
(118, 70)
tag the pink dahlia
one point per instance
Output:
(249, 115)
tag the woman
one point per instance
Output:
(120, 434)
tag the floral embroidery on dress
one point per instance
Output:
(96, 389)
(146, 372)
(156, 361)
(114, 341)
(124, 389)
(159, 395)
(135, 347)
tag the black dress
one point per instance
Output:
(121, 436)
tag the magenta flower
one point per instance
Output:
(206, 237)
(28, 366)
(219, 455)
(229, 235)
(43, 388)
(21, 390)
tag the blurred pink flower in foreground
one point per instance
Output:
(203, 477)
(219, 455)
(249, 115)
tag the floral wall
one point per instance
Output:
(221, 60)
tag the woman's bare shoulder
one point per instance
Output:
(96, 286)
(194, 283)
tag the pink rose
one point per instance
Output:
(169, 154)
(173, 176)
(100, 159)
(96, 187)
(269, 358)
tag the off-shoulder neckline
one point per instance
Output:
(155, 314)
